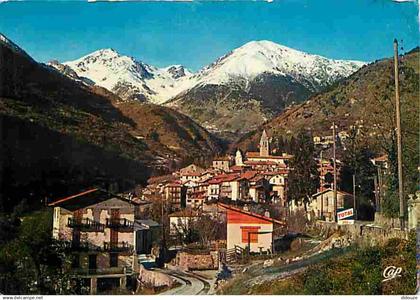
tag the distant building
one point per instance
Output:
(181, 221)
(278, 184)
(264, 160)
(148, 234)
(175, 193)
(193, 168)
(245, 229)
(222, 163)
(324, 201)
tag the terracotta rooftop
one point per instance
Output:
(233, 208)
(174, 184)
(54, 203)
(92, 196)
(274, 173)
(249, 174)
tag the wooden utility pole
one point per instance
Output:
(322, 188)
(354, 197)
(335, 174)
(375, 183)
(399, 146)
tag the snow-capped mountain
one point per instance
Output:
(259, 57)
(129, 78)
(261, 77)
(132, 78)
(253, 83)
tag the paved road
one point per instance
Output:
(191, 284)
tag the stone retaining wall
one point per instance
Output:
(360, 232)
(188, 262)
(154, 279)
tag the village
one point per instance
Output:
(185, 232)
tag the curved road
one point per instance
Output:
(191, 284)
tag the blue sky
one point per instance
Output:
(194, 34)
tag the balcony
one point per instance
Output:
(120, 224)
(85, 224)
(103, 271)
(83, 246)
(122, 247)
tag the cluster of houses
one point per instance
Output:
(252, 176)
(108, 233)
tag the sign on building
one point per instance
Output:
(345, 216)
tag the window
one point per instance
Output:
(251, 232)
(113, 260)
(92, 262)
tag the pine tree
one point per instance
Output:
(304, 175)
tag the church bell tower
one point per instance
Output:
(264, 145)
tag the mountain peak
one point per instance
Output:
(103, 53)
(258, 57)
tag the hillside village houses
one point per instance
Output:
(105, 234)
(254, 177)
(251, 176)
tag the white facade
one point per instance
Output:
(234, 236)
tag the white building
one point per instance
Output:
(245, 229)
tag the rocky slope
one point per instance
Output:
(59, 134)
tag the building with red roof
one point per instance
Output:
(248, 229)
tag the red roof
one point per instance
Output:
(236, 168)
(249, 174)
(72, 197)
(223, 178)
(174, 184)
(274, 173)
(225, 206)
(230, 177)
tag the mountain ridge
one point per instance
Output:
(262, 53)
(264, 76)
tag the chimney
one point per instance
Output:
(267, 214)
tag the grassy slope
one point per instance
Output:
(357, 271)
